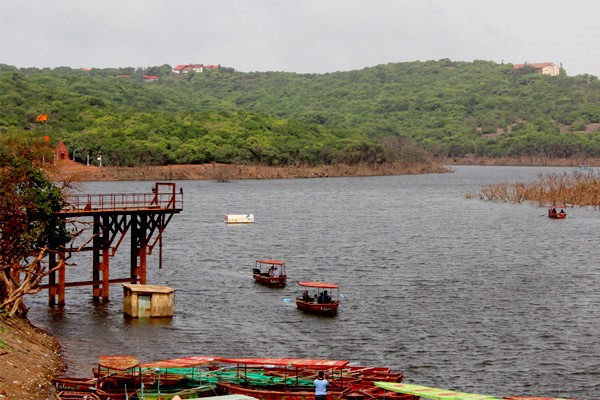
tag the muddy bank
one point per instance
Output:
(29, 358)
(68, 170)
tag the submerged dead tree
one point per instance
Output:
(576, 189)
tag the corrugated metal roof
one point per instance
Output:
(184, 362)
(289, 362)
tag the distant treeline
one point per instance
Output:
(402, 111)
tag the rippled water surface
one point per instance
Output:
(458, 293)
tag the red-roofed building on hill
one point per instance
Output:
(150, 78)
(545, 68)
(185, 68)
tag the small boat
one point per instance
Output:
(292, 379)
(239, 218)
(318, 298)
(73, 384)
(118, 377)
(181, 377)
(73, 395)
(428, 392)
(270, 273)
(553, 212)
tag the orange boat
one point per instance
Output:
(553, 212)
(270, 273)
(318, 298)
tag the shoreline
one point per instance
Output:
(67, 170)
(70, 171)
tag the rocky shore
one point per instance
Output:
(29, 358)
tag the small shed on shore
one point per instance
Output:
(147, 301)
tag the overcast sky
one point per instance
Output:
(304, 36)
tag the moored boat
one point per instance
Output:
(181, 377)
(292, 379)
(281, 378)
(270, 273)
(118, 377)
(428, 392)
(75, 395)
(73, 384)
(318, 298)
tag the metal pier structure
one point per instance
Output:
(144, 215)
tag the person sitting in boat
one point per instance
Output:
(562, 212)
(272, 270)
(256, 271)
(306, 296)
(324, 297)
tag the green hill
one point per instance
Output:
(377, 114)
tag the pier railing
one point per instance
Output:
(163, 197)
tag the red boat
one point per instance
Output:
(292, 379)
(118, 377)
(553, 212)
(115, 378)
(72, 384)
(270, 273)
(318, 298)
(69, 395)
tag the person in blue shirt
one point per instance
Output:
(321, 386)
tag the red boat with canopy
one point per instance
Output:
(270, 273)
(318, 298)
(292, 379)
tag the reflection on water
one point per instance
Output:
(475, 296)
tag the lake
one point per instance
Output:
(456, 292)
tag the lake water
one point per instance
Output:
(458, 293)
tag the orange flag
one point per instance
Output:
(42, 118)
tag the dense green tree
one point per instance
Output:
(29, 229)
(445, 107)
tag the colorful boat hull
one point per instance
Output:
(325, 309)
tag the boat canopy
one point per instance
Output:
(185, 362)
(289, 362)
(119, 363)
(323, 285)
(273, 262)
(428, 392)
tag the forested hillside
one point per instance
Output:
(377, 114)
